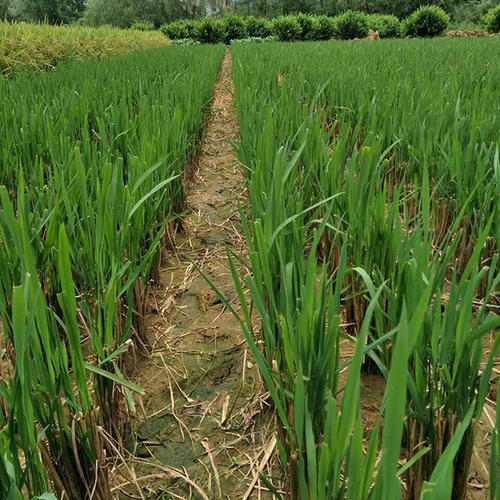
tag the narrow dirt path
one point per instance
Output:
(203, 408)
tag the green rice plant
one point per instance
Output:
(495, 454)
(404, 224)
(84, 206)
(374, 103)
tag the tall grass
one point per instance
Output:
(372, 173)
(41, 46)
(92, 166)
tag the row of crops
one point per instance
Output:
(92, 160)
(374, 215)
(372, 225)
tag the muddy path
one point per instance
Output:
(204, 425)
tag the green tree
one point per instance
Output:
(124, 13)
(4, 8)
(52, 11)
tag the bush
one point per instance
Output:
(325, 28)
(308, 26)
(210, 30)
(143, 26)
(387, 26)
(491, 20)
(234, 28)
(287, 28)
(429, 20)
(177, 30)
(352, 24)
(258, 27)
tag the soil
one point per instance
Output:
(206, 424)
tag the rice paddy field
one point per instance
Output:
(358, 244)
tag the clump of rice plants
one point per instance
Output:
(41, 46)
(400, 227)
(86, 196)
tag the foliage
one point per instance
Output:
(387, 26)
(43, 46)
(210, 30)
(287, 28)
(185, 41)
(308, 25)
(427, 21)
(143, 26)
(352, 24)
(51, 11)
(84, 199)
(349, 25)
(372, 200)
(234, 28)
(325, 28)
(254, 39)
(179, 29)
(124, 13)
(258, 27)
(4, 8)
(492, 20)
(398, 8)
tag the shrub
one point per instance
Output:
(325, 28)
(352, 24)
(308, 26)
(234, 28)
(258, 27)
(210, 30)
(429, 20)
(287, 28)
(492, 20)
(190, 26)
(176, 30)
(387, 26)
(143, 26)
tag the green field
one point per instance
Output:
(372, 225)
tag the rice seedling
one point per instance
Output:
(390, 187)
(90, 178)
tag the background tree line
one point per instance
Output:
(124, 13)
